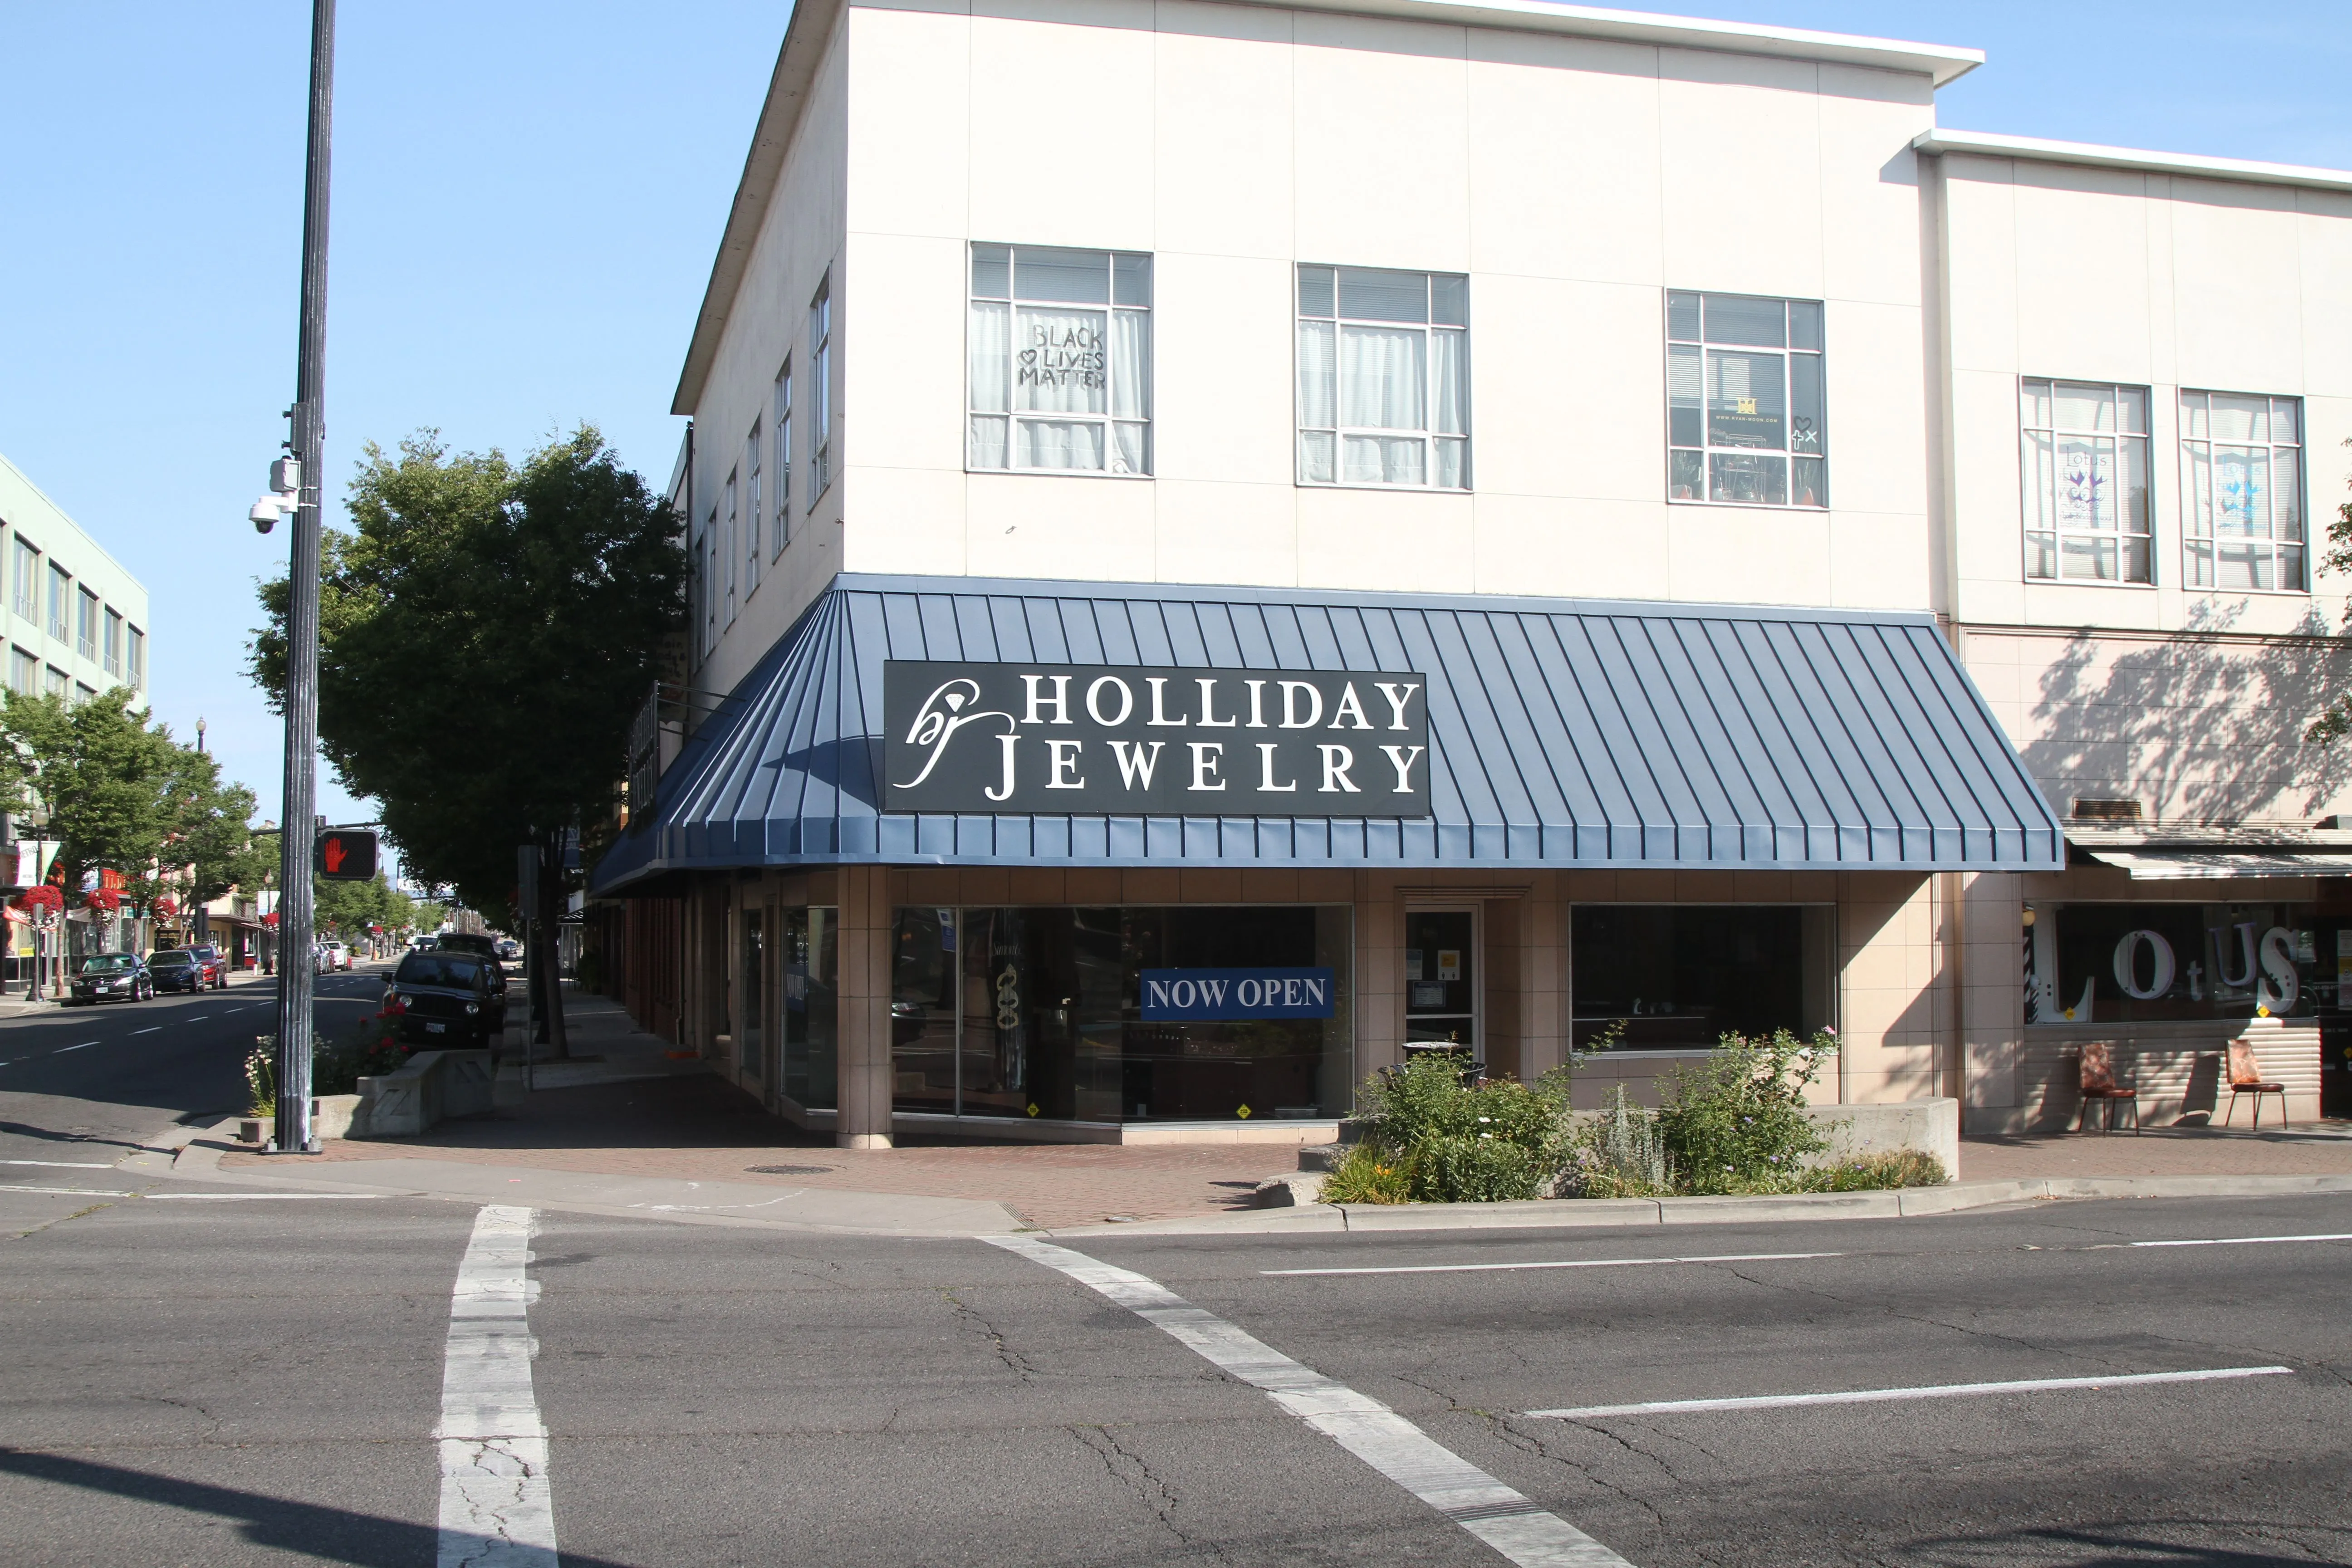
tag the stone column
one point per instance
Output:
(863, 1122)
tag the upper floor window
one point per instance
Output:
(60, 587)
(114, 643)
(86, 625)
(753, 554)
(783, 456)
(821, 389)
(23, 674)
(2242, 490)
(134, 659)
(2085, 468)
(1383, 378)
(727, 527)
(56, 683)
(1060, 360)
(28, 581)
(1746, 406)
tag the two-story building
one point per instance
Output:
(1234, 542)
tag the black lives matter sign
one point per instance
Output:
(1067, 740)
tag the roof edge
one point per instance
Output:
(2035, 149)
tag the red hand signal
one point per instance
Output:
(333, 855)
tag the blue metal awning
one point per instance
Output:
(1562, 733)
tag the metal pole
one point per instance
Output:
(300, 817)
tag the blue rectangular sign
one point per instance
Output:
(1201, 996)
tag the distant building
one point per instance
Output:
(76, 620)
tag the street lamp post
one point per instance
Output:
(308, 436)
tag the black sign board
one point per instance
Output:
(344, 855)
(1077, 740)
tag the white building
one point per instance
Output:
(76, 620)
(1676, 399)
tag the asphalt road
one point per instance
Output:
(120, 1073)
(254, 1380)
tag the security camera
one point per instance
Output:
(265, 513)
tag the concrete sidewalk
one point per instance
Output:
(627, 1111)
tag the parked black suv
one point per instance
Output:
(454, 999)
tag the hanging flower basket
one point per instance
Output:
(41, 897)
(165, 908)
(104, 900)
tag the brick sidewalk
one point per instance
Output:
(697, 1129)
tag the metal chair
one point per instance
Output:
(2099, 1085)
(2246, 1078)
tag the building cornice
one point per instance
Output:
(2033, 148)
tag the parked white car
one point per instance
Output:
(335, 955)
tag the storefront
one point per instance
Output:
(1102, 862)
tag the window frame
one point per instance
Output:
(2192, 513)
(135, 656)
(1707, 449)
(730, 540)
(1110, 420)
(782, 417)
(24, 672)
(114, 624)
(1340, 432)
(821, 374)
(61, 583)
(753, 446)
(2029, 501)
(86, 609)
(28, 562)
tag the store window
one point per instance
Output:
(750, 1032)
(1059, 361)
(1681, 976)
(2084, 462)
(1747, 405)
(808, 941)
(2140, 962)
(1383, 378)
(1106, 1015)
(2242, 490)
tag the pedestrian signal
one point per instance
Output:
(344, 856)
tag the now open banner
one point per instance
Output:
(1204, 995)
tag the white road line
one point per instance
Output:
(1937, 1391)
(2243, 1240)
(149, 1030)
(248, 1198)
(62, 1164)
(497, 1510)
(67, 1191)
(1499, 1515)
(63, 1050)
(1578, 1263)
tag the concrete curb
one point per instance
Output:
(1575, 1214)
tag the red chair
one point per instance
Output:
(2246, 1078)
(2099, 1084)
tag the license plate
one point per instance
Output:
(437, 1028)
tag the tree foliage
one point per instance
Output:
(348, 909)
(485, 634)
(99, 779)
(2334, 722)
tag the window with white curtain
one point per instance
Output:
(1747, 407)
(753, 533)
(2084, 464)
(821, 389)
(2242, 490)
(784, 457)
(1383, 378)
(1059, 361)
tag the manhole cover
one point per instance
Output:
(792, 1170)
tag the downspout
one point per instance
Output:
(1943, 502)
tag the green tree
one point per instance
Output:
(485, 634)
(2335, 721)
(96, 775)
(211, 830)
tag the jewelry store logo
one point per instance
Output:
(1082, 739)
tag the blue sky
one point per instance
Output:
(527, 196)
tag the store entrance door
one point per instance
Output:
(1441, 982)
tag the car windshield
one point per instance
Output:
(170, 958)
(458, 941)
(107, 963)
(454, 969)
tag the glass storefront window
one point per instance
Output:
(809, 945)
(751, 1039)
(1684, 975)
(2142, 963)
(1039, 1012)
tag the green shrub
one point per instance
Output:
(366, 1048)
(262, 1077)
(1737, 1123)
(1366, 1173)
(1878, 1172)
(1478, 1169)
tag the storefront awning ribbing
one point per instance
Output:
(1561, 733)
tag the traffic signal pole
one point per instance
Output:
(309, 438)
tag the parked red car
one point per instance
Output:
(210, 967)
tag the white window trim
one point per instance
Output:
(1108, 419)
(2300, 446)
(1429, 434)
(2025, 533)
(1707, 449)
